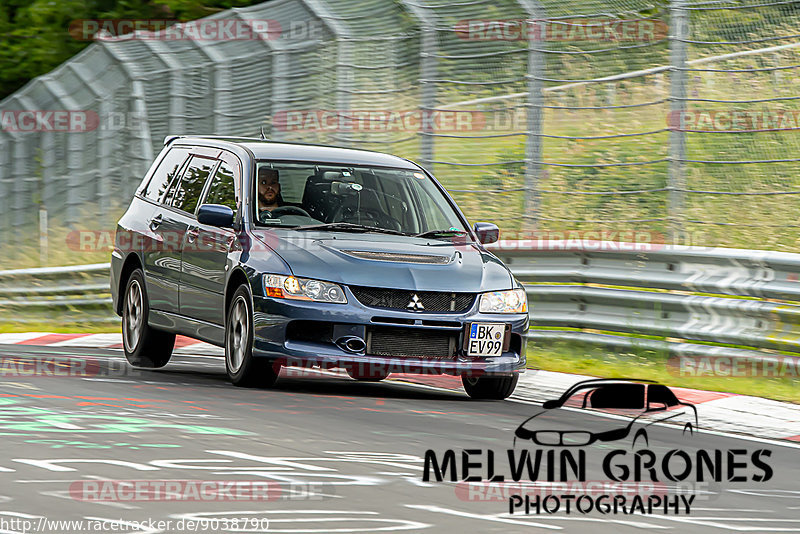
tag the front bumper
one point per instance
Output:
(278, 321)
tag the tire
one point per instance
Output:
(145, 347)
(490, 387)
(244, 370)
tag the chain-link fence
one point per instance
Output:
(679, 119)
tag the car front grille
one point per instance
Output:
(401, 299)
(410, 343)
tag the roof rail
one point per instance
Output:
(170, 138)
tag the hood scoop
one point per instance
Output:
(399, 257)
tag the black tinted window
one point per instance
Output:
(187, 194)
(660, 394)
(618, 396)
(223, 190)
(165, 173)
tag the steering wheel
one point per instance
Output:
(283, 210)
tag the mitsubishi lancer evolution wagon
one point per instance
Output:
(304, 255)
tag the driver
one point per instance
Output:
(269, 190)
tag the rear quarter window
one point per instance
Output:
(169, 167)
(186, 194)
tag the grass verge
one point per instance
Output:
(581, 358)
(60, 328)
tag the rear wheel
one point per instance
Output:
(144, 346)
(243, 368)
(490, 387)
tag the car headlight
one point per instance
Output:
(290, 287)
(511, 301)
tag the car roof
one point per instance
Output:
(271, 150)
(607, 381)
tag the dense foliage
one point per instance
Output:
(35, 37)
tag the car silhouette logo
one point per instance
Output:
(645, 401)
(415, 303)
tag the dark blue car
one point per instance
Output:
(289, 254)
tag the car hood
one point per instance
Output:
(383, 260)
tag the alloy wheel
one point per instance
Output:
(133, 316)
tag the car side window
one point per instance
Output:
(223, 189)
(659, 394)
(169, 167)
(186, 194)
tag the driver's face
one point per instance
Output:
(268, 187)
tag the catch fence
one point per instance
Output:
(677, 118)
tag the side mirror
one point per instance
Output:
(215, 215)
(487, 232)
(549, 405)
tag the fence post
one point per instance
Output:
(344, 70)
(427, 75)
(676, 179)
(428, 94)
(536, 26)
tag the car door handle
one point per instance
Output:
(155, 222)
(192, 233)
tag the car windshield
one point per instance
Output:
(342, 198)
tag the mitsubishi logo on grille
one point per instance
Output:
(415, 304)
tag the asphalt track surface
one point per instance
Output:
(337, 455)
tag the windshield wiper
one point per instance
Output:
(349, 227)
(441, 233)
(275, 223)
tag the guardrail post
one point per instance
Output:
(676, 180)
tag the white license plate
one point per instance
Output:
(485, 339)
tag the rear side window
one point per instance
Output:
(186, 194)
(223, 189)
(165, 173)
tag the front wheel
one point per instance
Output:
(145, 347)
(243, 369)
(490, 387)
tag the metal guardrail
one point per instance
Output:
(694, 300)
(62, 294)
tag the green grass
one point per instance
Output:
(580, 358)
